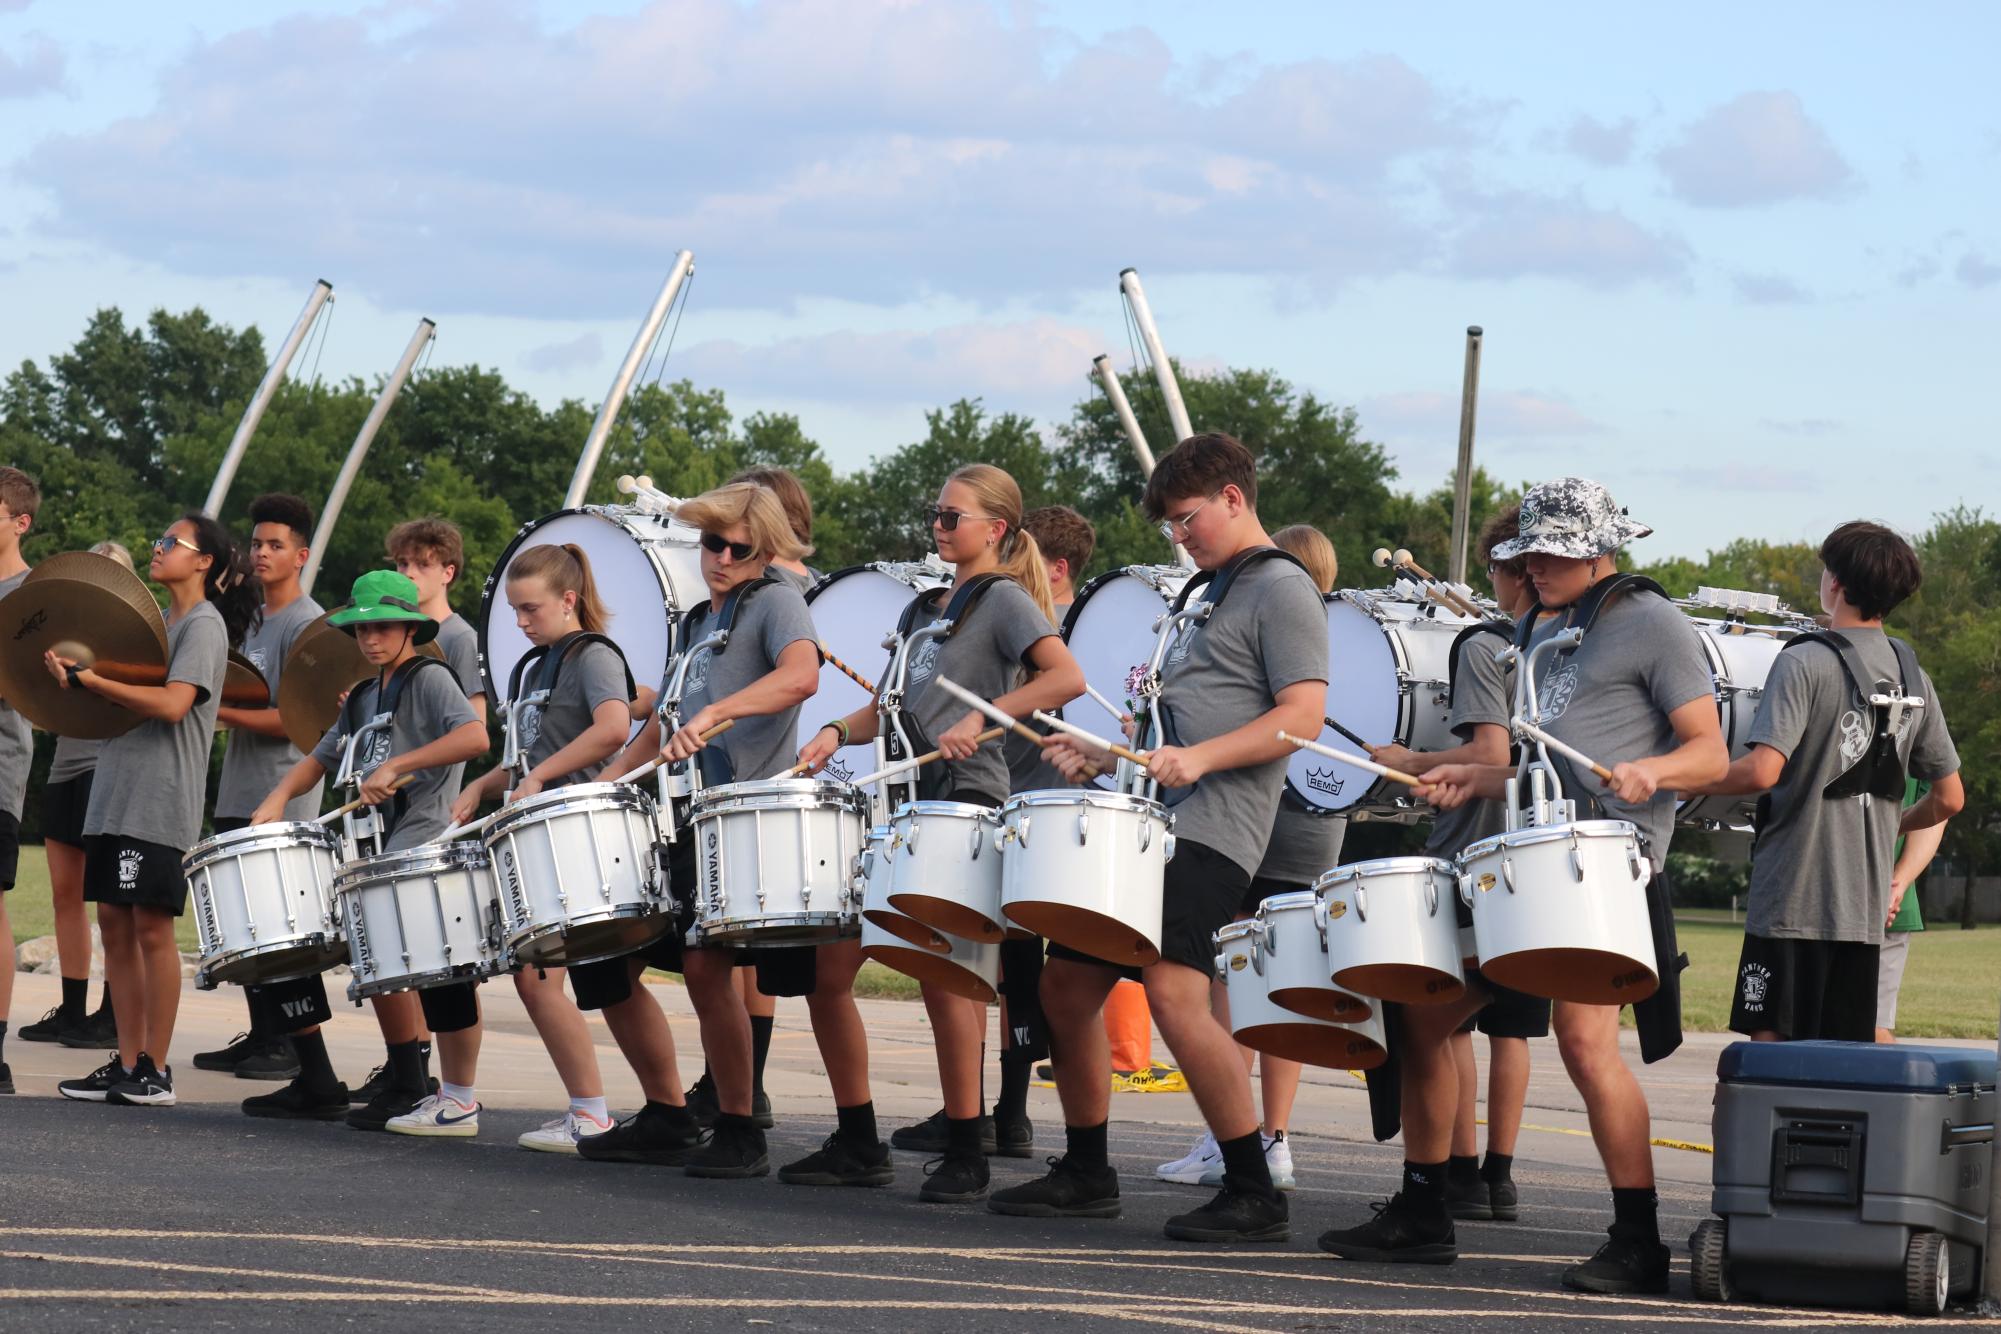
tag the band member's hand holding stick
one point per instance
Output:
(667, 755)
(965, 696)
(903, 766)
(1366, 765)
(380, 795)
(1530, 730)
(1141, 758)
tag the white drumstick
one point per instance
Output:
(472, 830)
(1123, 752)
(658, 760)
(1563, 748)
(1118, 714)
(1360, 762)
(967, 697)
(904, 766)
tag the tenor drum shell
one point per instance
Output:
(1262, 1024)
(1392, 930)
(1561, 911)
(968, 968)
(1297, 971)
(1086, 869)
(945, 868)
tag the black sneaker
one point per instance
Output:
(147, 1086)
(226, 1058)
(1012, 1138)
(94, 1086)
(1400, 1233)
(838, 1162)
(6, 1078)
(954, 1180)
(932, 1135)
(1234, 1215)
(702, 1103)
(1502, 1199)
(760, 1110)
(299, 1102)
(733, 1150)
(49, 1028)
(95, 1032)
(375, 1113)
(1066, 1191)
(1624, 1265)
(273, 1059)
(377, 1083)
(656, 1134)
(1468, 1199)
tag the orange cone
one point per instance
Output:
(1129, 1025)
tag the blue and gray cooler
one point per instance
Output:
(1848, 1174)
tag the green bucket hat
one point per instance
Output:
(384, 597)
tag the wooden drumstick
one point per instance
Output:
(846, 670)
(1138, 757)
(1360, 762)
(965, 696)
(1563, 748)
(902, 765)
(661, 759)
(358, 803)
(1440, 591)
(1118, 714)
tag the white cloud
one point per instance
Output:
(1975, 271)
(36, 69)
(586, 349)
(1608, 144)
(1759, 148)
(1517, 234)
(1769, 289)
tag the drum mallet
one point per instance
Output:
(661, 759)
(1359, 761)
(967, 697)
(1529, 729)
(1440, 591)
(846, 670)
(358, 803)
(902, 766)
(1345, 732)
(1123, 752)
(1118, 715)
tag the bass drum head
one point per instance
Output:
(1740, 663)
(644, 597)
(1363, 694)
(1110, 632)
(854, 610)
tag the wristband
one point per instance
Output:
(840, 726)
(75, 675)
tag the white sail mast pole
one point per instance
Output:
(621, 384)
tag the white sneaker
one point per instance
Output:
(1278, 1161)
(561, 1134)
(1189, 1169)
(436, 1115)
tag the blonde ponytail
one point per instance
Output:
(1018, 556)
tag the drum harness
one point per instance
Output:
(1878, 771)
(369, 825)
(894, 740)
(547, 660)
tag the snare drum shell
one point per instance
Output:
(1087, 870)
(776, 861)
(945, 868)
(576, 874)
(263, 903)
(1392, 929)
(1297, 972)
(418, 918)
(1561, 911)
(1262, 1024)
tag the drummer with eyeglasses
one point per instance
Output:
(755, 683)
(1636, 695)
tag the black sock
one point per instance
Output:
(76, 995)
(1466, 1168)
(406, 1067)
(316, 1072)
(1424, 1185)
(3, 1040)
(1013, 1102)
(1244, 1163)
(856, 1124)
(1088, 1146)
(760, 1047)
(962, 1138)
(1498, 1167)
(1636, 1211)
(104, 1002)
(255, 1012)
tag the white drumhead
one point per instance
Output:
(647, 570)
(854, 610)
(1110, 633)
(1362, 692)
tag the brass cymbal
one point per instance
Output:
(94, 622)
(322, 667)
(90, 568)
(243, 686)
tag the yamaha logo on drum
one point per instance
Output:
(510, 876)
(1323, 780)
(712, 869)
(357, 940)
(206, 897)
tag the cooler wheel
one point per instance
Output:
(1927, 1274)
(1708, 1259)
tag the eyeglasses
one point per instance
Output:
(717, 543)
(1170, 527)
(167, 542)
(948, 520)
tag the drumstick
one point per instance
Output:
(902, 765)
(1137, 757)
(1118, 714)
(1562, 748)
(661, 759)
(1366, 765)
(846, 670)
(1346, 733)
(965, 696)
(358, 803)
(1439, 590)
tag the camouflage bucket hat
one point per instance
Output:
(1572, 516)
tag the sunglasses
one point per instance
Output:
(948, 520)
(718, 544)
(167, 542)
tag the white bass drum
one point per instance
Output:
(1110, 632)
(854, 610)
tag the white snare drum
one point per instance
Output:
(1561, 911)
(1297, 972)
(263, 901)
(777, 861)
(945, 868)
(1109, 629)
(1086, 868)
(968, 968)
(647, 569)
(1391, 684)
(854, 610)
(418, 918)
(577, 874)
(1740, 659)
(1244, 963)
(1392, 930)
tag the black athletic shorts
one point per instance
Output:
(1510, 1014)
(63, 807)
(130, 872)
(10, 853)
(1263, 887)
(280, 1008)
(1806, 989)
(1200, 897)
(450, 1008)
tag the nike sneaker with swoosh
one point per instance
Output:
(436, 1116)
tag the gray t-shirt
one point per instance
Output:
(1820, 869)
(591, 675)
(987, 655)
(253, 763)
(803, 582)
(430, 706)
(1483, 691)
(1027, 770)
(17, 739)
(74, 757)
(459, 642)
(1303, 845)
(151, 781)
(1268, 634)
(1611, 697)
(774, 618)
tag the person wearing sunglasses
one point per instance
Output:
(756, 683)
(1004, 647)
(145, 803)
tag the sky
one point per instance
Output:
(1741, 263)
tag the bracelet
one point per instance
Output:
(75, 675)
(840, 726)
